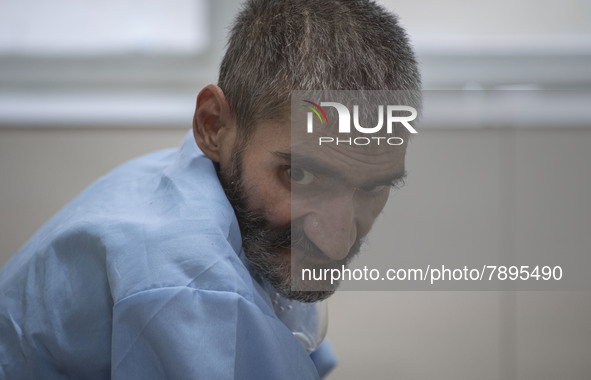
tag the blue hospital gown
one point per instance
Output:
(142, 277)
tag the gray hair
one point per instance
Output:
(277, 46)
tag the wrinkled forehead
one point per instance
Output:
(361, 133)
(372, 147)
(354, 165)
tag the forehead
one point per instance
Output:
(355, 163)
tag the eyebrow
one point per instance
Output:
(318, 168)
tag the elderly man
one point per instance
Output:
(172, 265)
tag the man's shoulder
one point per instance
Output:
(158, 220)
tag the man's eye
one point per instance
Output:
(373, 188)
(396, 184)
(300, 176)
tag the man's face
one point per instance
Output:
(304, 206)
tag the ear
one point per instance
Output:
(213, 122)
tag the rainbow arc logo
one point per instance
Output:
(315, 108)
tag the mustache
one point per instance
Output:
(296, 238)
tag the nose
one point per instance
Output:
(331, 225)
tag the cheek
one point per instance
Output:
(368, 211)
(381, 202)
(277, 204)
(267, 192)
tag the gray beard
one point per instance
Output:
(261, 243)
